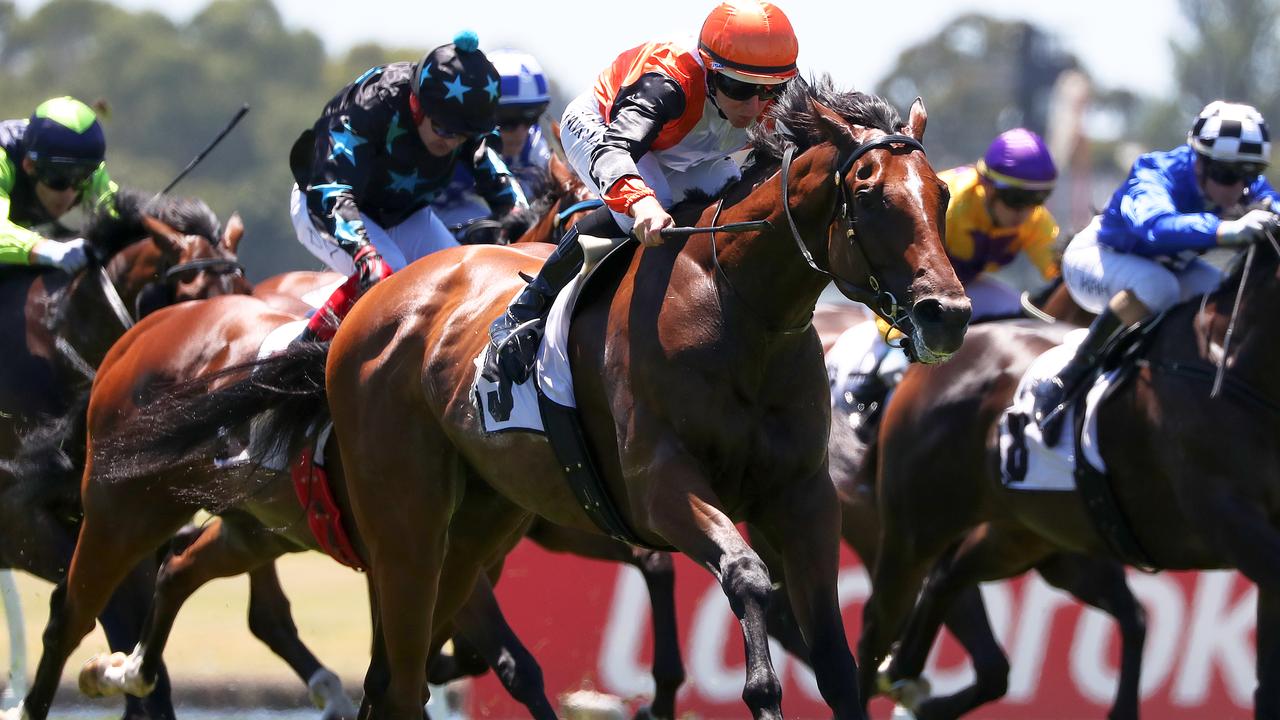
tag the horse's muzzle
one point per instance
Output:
(940, 324)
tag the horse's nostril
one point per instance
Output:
(928, 311)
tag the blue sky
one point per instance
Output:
(1122, 43)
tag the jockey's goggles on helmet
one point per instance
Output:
(514, 116)
(1232, 173)
(742, 91)
(1019, 198)
(443, 131)
(63, 174)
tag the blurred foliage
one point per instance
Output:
(171, 86)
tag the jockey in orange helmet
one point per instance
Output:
(660, 123)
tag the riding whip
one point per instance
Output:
(196, 160)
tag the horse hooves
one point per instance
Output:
(325, 689)
(644, 713)
(93, 675)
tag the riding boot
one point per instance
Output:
(323, 323)
(514, 337)
(1054, 395)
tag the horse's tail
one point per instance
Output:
(46, 471)
(188, 423)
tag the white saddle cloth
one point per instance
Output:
(1026, 463)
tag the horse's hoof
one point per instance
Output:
(645, 712)
(326, 693)
(910, 693)
(93, 674)
(884, 683)
(901, 713)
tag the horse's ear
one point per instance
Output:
(917, 119)
(830, 124)
(165, 237)
(560, 173)
(555, 129)
(232, 233)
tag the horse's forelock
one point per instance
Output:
(794, 111)
(114, 227)
(189, 216)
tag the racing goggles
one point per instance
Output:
(1020, 198)
(742, 91)
(1232, 173)
(444, 132)
(61, 174)
(511, 117)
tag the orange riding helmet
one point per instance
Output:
(750, 41)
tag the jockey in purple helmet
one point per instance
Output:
(1141, 255)
(996, 212)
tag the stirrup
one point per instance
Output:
(513, 356)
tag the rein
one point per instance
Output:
(883, 302)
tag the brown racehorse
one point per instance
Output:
(1096, 581)
(1196, 479)
(57, 328)
(706, 405)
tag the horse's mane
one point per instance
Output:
(795, 121)
(113, 227)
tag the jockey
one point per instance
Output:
(659, 124)
(1140, 256)
(49, 164)
(524, 100)
(996, 212)
(381, 152)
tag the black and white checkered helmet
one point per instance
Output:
(1231, 132)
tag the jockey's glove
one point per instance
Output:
(68, 256)
(370, 267)
(1250, 228)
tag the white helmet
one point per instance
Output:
(1231, 133)
(523, 82)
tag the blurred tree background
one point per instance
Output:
(171, 86)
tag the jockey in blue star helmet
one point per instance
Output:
(49, 164)
(369, 172)
(525, 95)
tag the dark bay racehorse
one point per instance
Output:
(1197, 480)
(55, 330)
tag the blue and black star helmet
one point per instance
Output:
(458, 88)
(64, 139)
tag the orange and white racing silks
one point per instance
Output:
(689, 152)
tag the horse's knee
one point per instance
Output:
(746, 582)
(521, 676)
(655, 564)
(992, 676)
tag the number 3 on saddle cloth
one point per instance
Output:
(545, 403)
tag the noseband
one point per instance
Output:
(876, 294)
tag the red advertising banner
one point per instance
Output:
(588, 624)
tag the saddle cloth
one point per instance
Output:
(551, 373)
(1026, 463)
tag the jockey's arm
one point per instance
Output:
(1040, 234)
(339, 174)
(494, 180)
(637, 116)
(1149, 210)
(100, 191)
(1262, 190)
(16, 241)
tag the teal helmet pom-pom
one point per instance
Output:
(466, 41)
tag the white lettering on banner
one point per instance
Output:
(621, 671)
(1035, 620)
(1219, 635)
(1090, 668)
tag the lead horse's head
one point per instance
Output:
(883, 240)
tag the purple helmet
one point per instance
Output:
(1018, 158)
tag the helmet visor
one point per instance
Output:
(514, 116)
(1019, 198)
(1224, 173)
(742, 91)
(64, 173)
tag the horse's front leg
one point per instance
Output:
(1266, 699)
(684, 510)
(803, 525)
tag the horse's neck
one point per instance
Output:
(1256, 342)
(766, 271)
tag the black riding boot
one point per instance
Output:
(1053, 395)
(514, 337)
